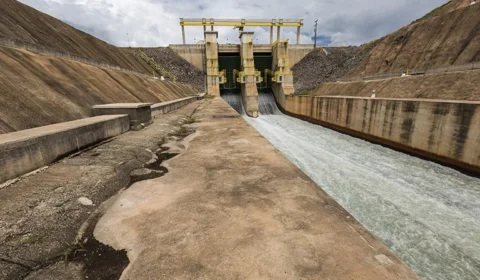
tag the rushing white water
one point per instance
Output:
(426, 213)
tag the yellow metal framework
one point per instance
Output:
(240, 23)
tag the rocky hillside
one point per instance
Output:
(327, 65)
(177, 66)
(21, 22)
(450, 35)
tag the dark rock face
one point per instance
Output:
(327, 65)
(176, 65)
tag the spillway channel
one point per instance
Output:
(426, 213)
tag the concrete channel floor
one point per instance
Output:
(233, 207)
(41, 217)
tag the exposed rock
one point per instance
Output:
(327, 65)
(176, 65)
(85, 201)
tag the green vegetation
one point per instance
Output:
(71, 251)
(160, 70)
(433, 12)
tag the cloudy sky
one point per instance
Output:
(156, 22)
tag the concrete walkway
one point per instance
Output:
(233, 207)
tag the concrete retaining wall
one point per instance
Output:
(165, 107)
(195, 54)
(24, 151)
(298, 52)
(447, 131)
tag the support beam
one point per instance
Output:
(271, 35)
(298, 35)
(183, 34)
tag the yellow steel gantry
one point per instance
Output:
(243, 23)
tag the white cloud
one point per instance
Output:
(156, 22)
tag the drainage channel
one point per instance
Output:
(424, 212)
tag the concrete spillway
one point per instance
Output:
(426, 213)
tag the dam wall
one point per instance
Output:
(445, 131)
(195, 53)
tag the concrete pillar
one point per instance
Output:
(281, 65)
(271, 35)
(211, 54)
(298, 35)
(278, 33)
(211, 28)
(183, 34)
(249, 85)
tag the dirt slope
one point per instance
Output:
(175, 64)
(453, 86)
(19, 21)
(449, 36)
(37, 90)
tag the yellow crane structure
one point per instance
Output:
(241, 23)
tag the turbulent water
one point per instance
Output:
(428, 214)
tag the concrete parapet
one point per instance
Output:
(26, 150)
(446, 131)
(140, 113)
(165, 107)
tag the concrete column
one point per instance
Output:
(271, 35)
(183, 34)
(298, 35)
(211, 54)
(249, 86)
(278, 33)
(281, 64)
(211, 28)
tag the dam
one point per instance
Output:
(264, 156)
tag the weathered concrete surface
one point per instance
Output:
(168, 106)
(195, 54)
(448, 131)
(248, 88)
(26, 150)
(140, 114)
(298, 52)
(211, 56)
(233, 207)
(40, 215)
